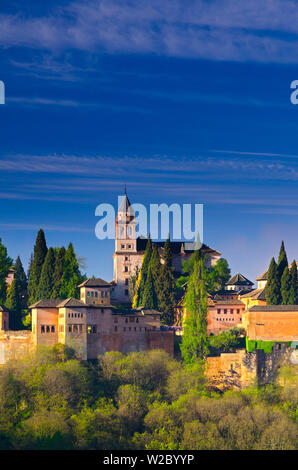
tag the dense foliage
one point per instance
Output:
(140, 401)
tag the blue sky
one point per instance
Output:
(183, 101)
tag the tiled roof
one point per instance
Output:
(46, 303)
(95, 282)
(177, 246)
(274, 308)
(229, 302)
(239, 280)
(71, 302)
(263, 277)
(256, 294)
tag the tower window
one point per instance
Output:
(126, 269)
(126, 292)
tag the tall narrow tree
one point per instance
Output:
(71, 275)
(5, 264)
(58, 273)
(40, 251)
(166, 287)
(149, 296)
(19, 274)
(138, 298)
(293, 295)
(282, 260)
(194, 340)
(272, 291)
(45, 287)
(14, 305)
(285, 286)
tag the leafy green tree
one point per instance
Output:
(273, 296)
(71, 275)
(45, 287)
(293, 295)
(282, 260)
(166, 287)
(138, 300)
(58, 272)
(40, 251)
(194, 341)
(14, 305)
(285, 286)
(219, 274)
(19, 274)
(5, 265)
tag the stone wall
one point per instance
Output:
(15, 344)
(145, 341)
(241, 369)
(232, 370)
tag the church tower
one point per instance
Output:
(126, 258)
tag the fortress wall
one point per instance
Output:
(242, 369)
(15, 344)
(231, 370)
(127, 342)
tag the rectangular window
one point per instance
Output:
(52, 329)
(126, 291)
(116, 328)
(48, 329)
(42, 329)
(126, 269)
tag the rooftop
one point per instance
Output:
(239, 280)
(274, 308)
(95, 282)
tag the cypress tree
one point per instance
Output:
(45, 287)
(138, 298)
(150, 297)
(272, 291)
(5, 265)
(58, 273)
(282, 260)
(194, 340)
(40, 251)
(285, 286)
(293, 295)
(71, 275)
(19, 274)
(155, 265)
(166, 287)
(14, 305)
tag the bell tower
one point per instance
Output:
(125, 239)
(125, 257)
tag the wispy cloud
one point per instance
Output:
(216, 30)
(232, 181)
